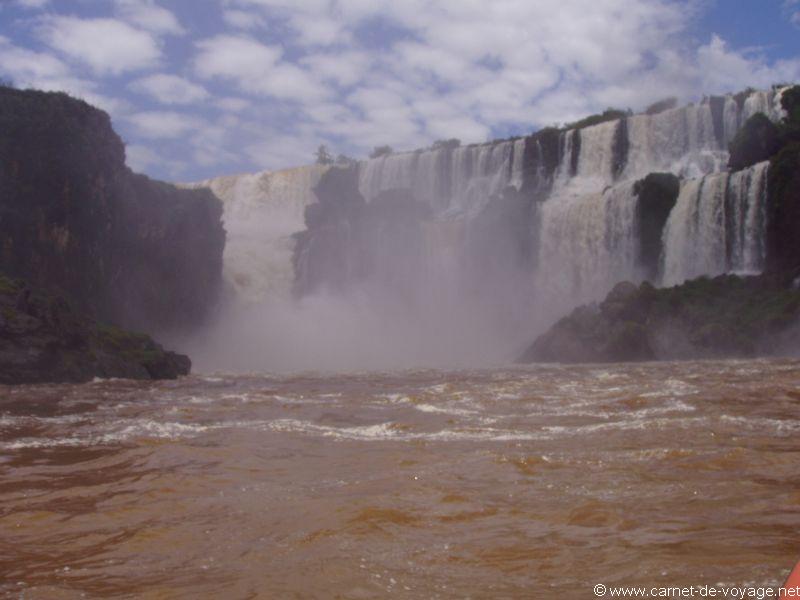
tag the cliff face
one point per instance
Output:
(75, 219)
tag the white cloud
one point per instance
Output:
(231, 104)
(149, 16)
(29, 69)
(107, 46)
(241, 19)
(721, 69)
(163, 124)
(256, 68)
(792, 10)
(32, 3)
(235, 57)
(139, 157)
(170, 89)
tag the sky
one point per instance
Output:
(201, 88)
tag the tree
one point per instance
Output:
(379, 151)
(451, 144)
(662, 105)
(323, 156)
(345, 161)
(6, 82)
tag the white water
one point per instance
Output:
(261, 212)
(717, 226)
(587, 245)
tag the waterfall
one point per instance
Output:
(717, 226)
(261, 212)
(681, 141)
(505, 236)
(456, 181)
(587, 244)
(747, 193)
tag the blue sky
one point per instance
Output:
(199, 88)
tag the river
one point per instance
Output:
(517, 482)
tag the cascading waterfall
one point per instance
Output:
(517, 232)
(261, 212)
(587, 244)
(457, 181)
(717, 226)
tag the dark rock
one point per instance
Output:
(549, 140)
(74, 219)
(783, 223)
(576, 152)
(620, 148)
(657, 193)
(42, 339)
(727, 316)
(717, 106)
(756, 141)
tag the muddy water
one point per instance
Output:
(529, 482)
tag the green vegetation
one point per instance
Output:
(42, 339)
(661, 106)
(450, 144)
(323, 156)
(610, 114)
(379, 151)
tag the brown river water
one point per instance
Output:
(529, 482)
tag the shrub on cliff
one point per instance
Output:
(661, 106)
(379, 151)
(610, 114)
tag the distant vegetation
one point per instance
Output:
(379, 151)
(661, 106)
(451, 144)
(609, 114)
(323, 156)
(345, 161)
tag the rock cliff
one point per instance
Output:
(74, 219)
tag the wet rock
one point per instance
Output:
(727, 316)
(42, 339)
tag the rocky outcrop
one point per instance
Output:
(348, 240)
(43, 339)
(657, 194)
(756, 141)
(75, 219)
(783, 222)
(727, 316)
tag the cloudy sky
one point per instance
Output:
(199, 88)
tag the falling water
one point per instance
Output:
(261, 212)
(588, 243)
(717, 226)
